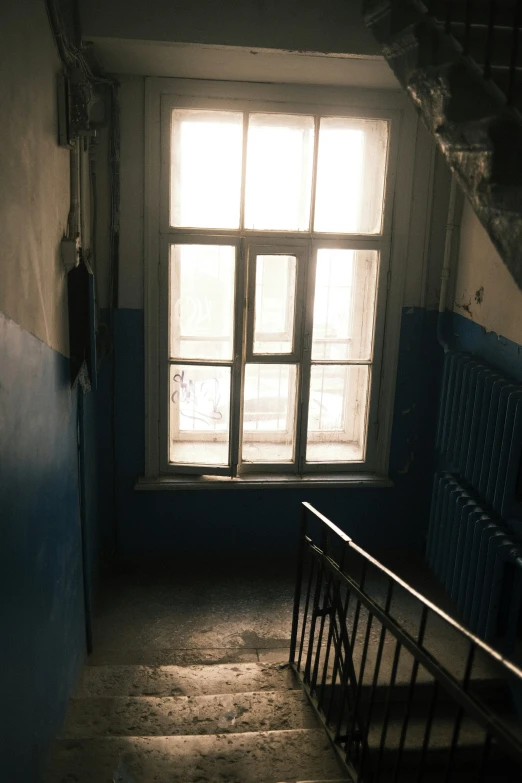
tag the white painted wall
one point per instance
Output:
(305, 25)
(485, 292)
(34, 176)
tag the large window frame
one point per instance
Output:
(164, 95)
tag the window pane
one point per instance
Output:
(201, 308)
(344, 304)
(337, 413)
(279, 172)
(275, 304)
(199, 414)
(206, 155)
(351, 170)
(269, 412)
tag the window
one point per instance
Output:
(273, 253)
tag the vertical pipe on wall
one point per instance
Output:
(74, 209)
(451, 228)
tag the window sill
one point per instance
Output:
(266, 481)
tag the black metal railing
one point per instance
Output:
(404, 691)
(490, 34)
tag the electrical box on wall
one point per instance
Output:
(82, 108)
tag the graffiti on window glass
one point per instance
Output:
(197, 400)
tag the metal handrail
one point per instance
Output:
(329, 603)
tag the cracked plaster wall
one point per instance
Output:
(485, 291)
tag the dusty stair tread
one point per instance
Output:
(129, 680)
(261, 757)
(153, 716)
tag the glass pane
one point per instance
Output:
(351, 169)
(344, 304)
(199, 414)
(280, 151)
(275, 304)
(337, 413)
(269, 412)
(201, 305)
(206, 156)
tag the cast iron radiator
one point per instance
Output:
(473, 543)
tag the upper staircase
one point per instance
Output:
(461, 63)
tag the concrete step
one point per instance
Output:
(183, 680)
(260, 757)
(153, 716)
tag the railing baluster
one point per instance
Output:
(484, 759)
(411, 691)
(387, 709)
(298, 582)
(315, 610)
(346, 673)
(513, 60)
(305, 612)
(449, 9)
(427, 731)
(460, 714)
(324, 610)
(488, 54)
(338, 648)
(335, 602)
(351, 735)
(376, 670)
(467, 26)
(358, 607)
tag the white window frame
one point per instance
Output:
(161, 96)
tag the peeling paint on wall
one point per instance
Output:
(485, 291)
(466, 307)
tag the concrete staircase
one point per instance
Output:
(226, 723)
(235, 723)
(464, 106)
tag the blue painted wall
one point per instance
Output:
(498, 351)
(162, 523)
(42, 625)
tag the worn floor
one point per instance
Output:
(188, 683)
(207, 612)
(198, 613)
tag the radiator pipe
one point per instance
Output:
(74, 209)
(451, 227)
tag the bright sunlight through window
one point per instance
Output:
(272, 289)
